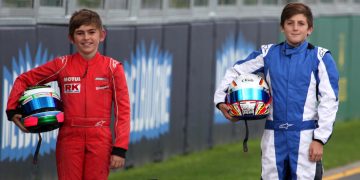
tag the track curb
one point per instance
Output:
(343, 171)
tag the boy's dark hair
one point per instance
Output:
(292, 9)
(83, 17)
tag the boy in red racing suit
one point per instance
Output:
(89, 83)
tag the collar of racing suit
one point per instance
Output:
(289, 50)
(87, 61)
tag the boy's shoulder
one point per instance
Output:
(266, 47)
(320, 52)
(113, 63)
(111, 59)
(61, 60)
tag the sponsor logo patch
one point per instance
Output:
(102, 87)
(100, 123)
(72, 88)
(114, 63)
(101, 79)
(71, 79)
(285, 126)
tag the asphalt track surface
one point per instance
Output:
(348, 172)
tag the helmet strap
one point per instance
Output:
(245, 147)
(36, 154)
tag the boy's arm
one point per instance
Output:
(40, 75)
(328, 98)
(121, 110)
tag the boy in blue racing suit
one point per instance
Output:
(303, 81)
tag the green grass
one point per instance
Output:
(343, 147)
(229, 162)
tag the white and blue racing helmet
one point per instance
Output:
(248, 97)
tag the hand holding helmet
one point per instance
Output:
(17, 120)
(225, 109)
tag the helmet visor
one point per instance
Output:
(253, 94)
(36, 105)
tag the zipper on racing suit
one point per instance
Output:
(84, 78)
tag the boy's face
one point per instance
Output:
(86, 39)
(296, 29)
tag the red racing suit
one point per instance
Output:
(88, 89)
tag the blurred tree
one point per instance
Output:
(18, 3)
(226, 2)
(151, 4)
(288, 1)
(201, 2)
(53, 3)
(118, 4)
(98, 4)
(250, 2)
(327, 1)
(270, 2)
(179, 4)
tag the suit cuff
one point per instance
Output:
(318, 140)
(118, 151)
(10, 113)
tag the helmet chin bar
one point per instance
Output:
(43, 122)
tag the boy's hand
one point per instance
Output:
(315, 151)
(225, 109)
(17, 120)
(116, 162)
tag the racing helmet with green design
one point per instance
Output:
(41, 109)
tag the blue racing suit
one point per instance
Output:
(304, 85)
